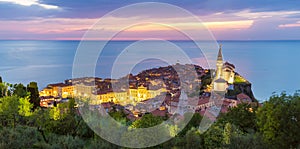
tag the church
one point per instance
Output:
(224, 74)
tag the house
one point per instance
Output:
(243, 98)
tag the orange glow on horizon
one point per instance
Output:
(75, 28)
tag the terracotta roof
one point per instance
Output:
(158, 112)
(242, 96)
(224, 109)
(229, 64)
(203, 101)
(226, 102)
(57, 85)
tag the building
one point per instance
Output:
(224, 76)
(83, 90)
(243, 98)
(131, 96)
(228, 72)
(68, 91)
(53, 90)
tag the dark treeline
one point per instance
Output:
(24, 124)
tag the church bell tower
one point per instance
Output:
(219, 64)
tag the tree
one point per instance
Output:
(148, 120)
(25, 106)
(241, 116)
(144, 137)
(19, 90)
(4, 89)
(193, 139)
(247, 141)
(194, 122)
(119, 116)
(34, 94)
(227, 133)
(278, 121)
(9, 105)
(213, 137)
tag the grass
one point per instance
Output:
(239, 79)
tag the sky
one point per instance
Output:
(227, 19)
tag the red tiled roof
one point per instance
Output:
(227, 63)
(203, 101)
(242, 96)
(57, 85)
(158, 112)
(224, 109)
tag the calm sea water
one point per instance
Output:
(271, 66)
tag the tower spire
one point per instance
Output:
(220, 57)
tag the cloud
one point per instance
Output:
(266, 14)
(297, 24)
(97, 8)
(30, 3)
(71, 26)
(230, 19)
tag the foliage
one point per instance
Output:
(239, 79)
(227, 133)
(148, 120)
(25, 107)
(213, 137)
(55, 113)
(9, 105)
(279, 121)
(4, 89)
(247, 141)
(34, 94)
(193, 139)
(242, 117)
(119, 116)
(195, 119)
(274, 125)
(19, 90)
(20, 137)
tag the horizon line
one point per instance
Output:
(150, 40)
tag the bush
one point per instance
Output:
(19, 137)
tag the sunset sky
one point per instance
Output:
(227, 20)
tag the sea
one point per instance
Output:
(270, 66)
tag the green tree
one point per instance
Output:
(227, 133)
(25, 106)
(230, 131)
(9, 105)
(247, 141)
(19, 90)
(145, 136)
(34, 94)
(213, 137)
(148, 120)
(241, 116)
(278, 121)
(193, 139)
(119, 116)
(4, 89)
(195, 119)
